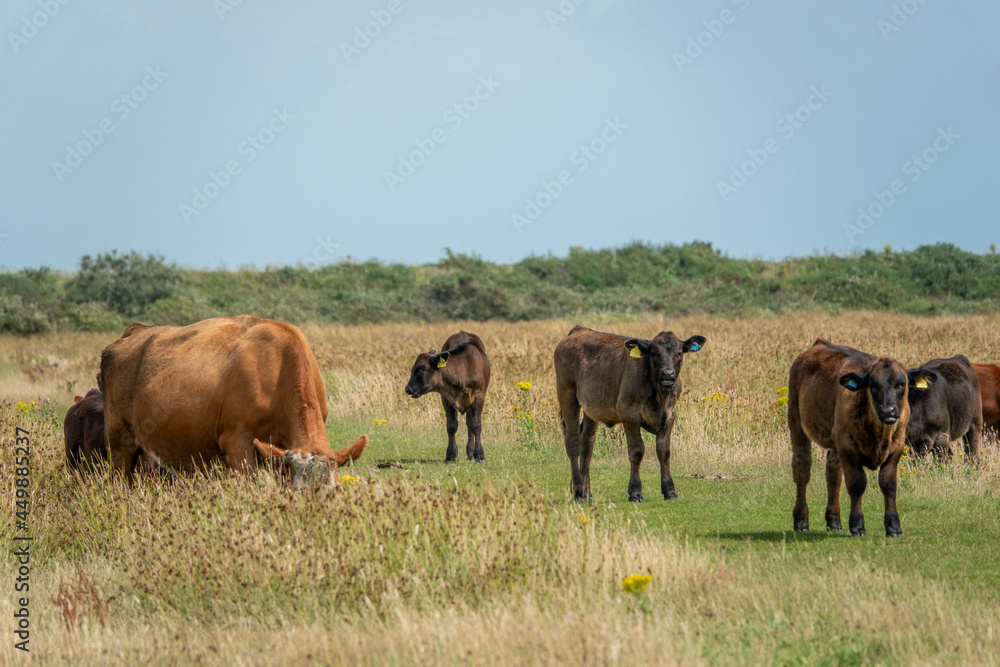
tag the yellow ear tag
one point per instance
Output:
(442, 363)
(635, 352)
(921, 383)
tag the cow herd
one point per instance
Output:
(245, 390)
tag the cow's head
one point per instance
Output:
(311, 464)
(886, 383)
(425, 376)
(664, 354)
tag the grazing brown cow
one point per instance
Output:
(989, 386)
(228, 388)
(83, 430)
(949, 409)
(862, 423)
(619, 380)
(460, 372)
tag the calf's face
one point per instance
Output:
(425, 376)
(886, 383)
(664, 354)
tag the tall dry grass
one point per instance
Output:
(471, 564)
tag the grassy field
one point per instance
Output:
(422, 563)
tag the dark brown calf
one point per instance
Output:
(855, 406)
(946, 410)
(619, 380)
(460, 373)
(989, 385)
(83, 430)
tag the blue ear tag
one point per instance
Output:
(695, 347)
(852, 384)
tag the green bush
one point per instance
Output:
(111, 290)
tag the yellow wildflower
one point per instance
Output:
(583, 518)
(636, 583)
(347, 480)
(525, 386)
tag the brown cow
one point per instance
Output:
(862, 424)
(83, 430)
(228, 388)
(619, 380)
(460, 373)
(989, 385)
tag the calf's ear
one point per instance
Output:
(440, 360)
(854, 381)
(694, 343)
(921, 379)
(637, 348)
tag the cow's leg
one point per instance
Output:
(636, 449)
(474, 425)
(857, 481)
(451, 419)
(887, 481)
(122, 447)
(801, 468)
(942, 446)
(973, 440)
(834, 474)
(569, 411)
(588, 433)
(663, 454)
(239, 450)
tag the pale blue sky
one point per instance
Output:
(337, 123)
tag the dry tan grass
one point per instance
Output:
(231, 570)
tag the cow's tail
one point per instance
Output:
(351, 453)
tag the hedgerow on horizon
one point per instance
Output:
(112, 290)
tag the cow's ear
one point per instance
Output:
(268, 451)
(637, 348)
(854, 381)
(77, 399)
(440, 360)
(694, 343)
(921, 379)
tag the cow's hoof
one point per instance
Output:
(480, 460)
(447, 461)
(892, 527)
(635, 497)
(801, 526)
(581, 497)
(670, 495)
(833, 526)
(894, 533)
(857, 532)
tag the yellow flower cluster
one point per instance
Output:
(347, 480)
(525, 386)
(379, 422)
(583, 518)
(27, 408)
(718, 397)
(636, 583)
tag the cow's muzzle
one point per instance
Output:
(668, 378)
(889, 415)
(415, 393)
